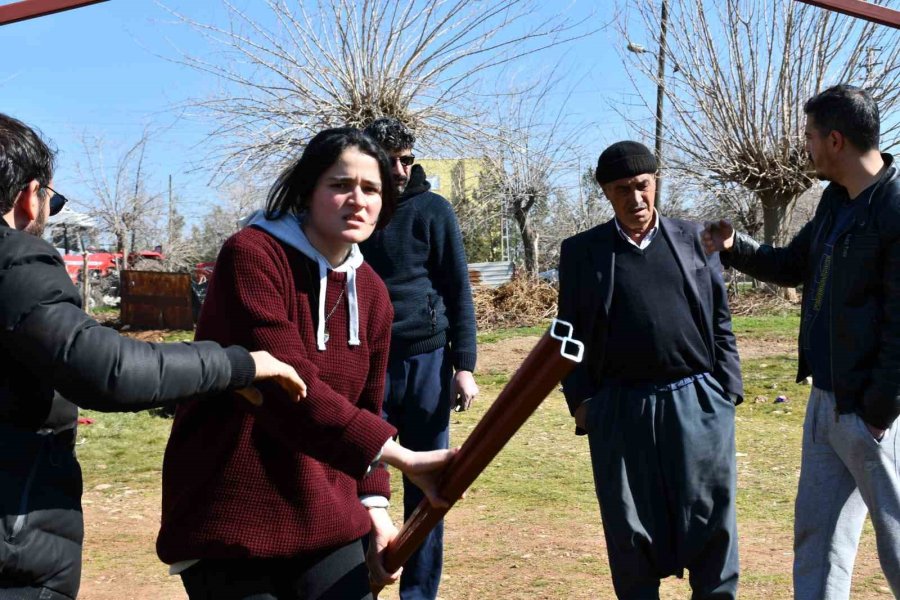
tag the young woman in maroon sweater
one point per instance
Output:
(273, 501)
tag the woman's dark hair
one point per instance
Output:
(24, 157)
(293, 189)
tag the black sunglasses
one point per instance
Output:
(57, 201)
(406, 160)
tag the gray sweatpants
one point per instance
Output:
(844, 471)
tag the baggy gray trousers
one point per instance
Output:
(844, 472)
(664, 470)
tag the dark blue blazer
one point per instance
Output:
(586, 268)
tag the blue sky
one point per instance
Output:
(103, 70)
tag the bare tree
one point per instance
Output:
(527, 153)
(592, 207)
(480, 218)
(742, 70)
(241, 198)
(805, 208)
(572, 211)
(179, 253)
(342, 62)
(121, 204)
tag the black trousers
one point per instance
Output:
(665, 475)
(333, 574)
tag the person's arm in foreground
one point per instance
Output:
(785, 266)
(95, 367)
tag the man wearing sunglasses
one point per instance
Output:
(420, 256)
(48, 344)
(54, 205)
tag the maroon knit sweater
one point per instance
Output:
(284, 479)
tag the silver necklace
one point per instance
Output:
(331, 312)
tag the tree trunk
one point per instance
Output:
(121, 238)
(85, 278)
(529, 240)
(777, 210)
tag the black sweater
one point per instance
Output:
(654, 336)
(420, 256)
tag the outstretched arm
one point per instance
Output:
(95, 367)
(785, 266)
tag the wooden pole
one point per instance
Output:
(549, 361)
(860, 9)
(30, 9)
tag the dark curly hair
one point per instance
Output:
(24, 157)
(391, 133)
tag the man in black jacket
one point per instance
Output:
(420, 256)
(848, 260)
(657, 388)
(48, 343)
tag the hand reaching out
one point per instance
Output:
(717, 236)
(269, 367)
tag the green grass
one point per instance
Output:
(489, 337)
(774, 326)
(768, 439)
(123, 449)
(178, 336)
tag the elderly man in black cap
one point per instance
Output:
(656, 393)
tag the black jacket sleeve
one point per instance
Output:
(91, 365)
(782, 266)
(579, 385)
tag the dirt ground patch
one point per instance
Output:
(547, 544)
(120, 561)
(505, 356)
(761, 348)
(512, 557)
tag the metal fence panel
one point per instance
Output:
(491, 274)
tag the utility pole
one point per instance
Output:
(660, 96)
(171, 236)
(660, 90)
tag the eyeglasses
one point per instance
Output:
(57, 201)
(406, 160)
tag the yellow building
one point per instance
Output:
(479, 212)
(453, 178)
